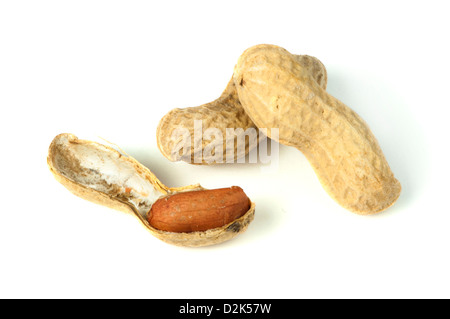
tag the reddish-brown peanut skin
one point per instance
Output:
(198, 210)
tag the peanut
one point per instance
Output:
(225, 112)
(198, 210)
(276, 91)
(101, 174)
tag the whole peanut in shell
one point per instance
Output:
(277, 91)
(225, 112)
(102, 175)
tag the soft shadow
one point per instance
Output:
(264, 225)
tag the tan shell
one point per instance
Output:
(278, 92)
(104, 176)
(225, 112)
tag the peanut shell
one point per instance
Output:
(277, 91)
(225, 112)
(102, 175)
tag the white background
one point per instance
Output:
(112, 69)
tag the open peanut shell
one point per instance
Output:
(102, 175)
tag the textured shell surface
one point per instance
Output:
(178, 139)
(277, 92)
(223, 113)
(105, 170)
(101, 174)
